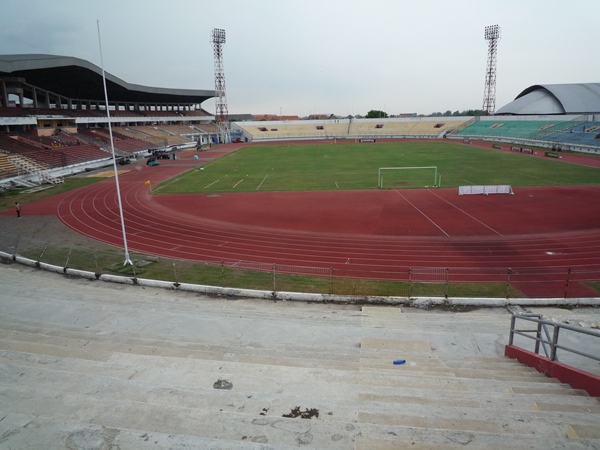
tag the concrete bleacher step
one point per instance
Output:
(455, 440)
(512, 428)
(412, 362)
(562, 407)
(113, 342)
(176, 420)
(153, 368)
(545, 390)
(248, 394)
(27, 431)
(87, 389)
(583, 432)
(448, 373)
(318, 378)
(143, 385)
(418, 361)
(150, 391)
(486, 400)
(124, 416)
(216, 363)
(84, 371)
(243, 400)
(103, 350)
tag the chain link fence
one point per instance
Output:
(558, 282)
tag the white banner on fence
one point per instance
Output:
(492, 189)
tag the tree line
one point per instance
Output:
(377, 114)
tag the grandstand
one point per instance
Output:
(542, 115)
(7, 169)
(505, 128)
(571, 132)
(586, 133)
(59, 125)
(349, 128)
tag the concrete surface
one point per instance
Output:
(93, 365)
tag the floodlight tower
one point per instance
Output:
(218, 39)
(492, 35)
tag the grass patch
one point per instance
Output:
(112, 262)
(348, 166)
(595, 285)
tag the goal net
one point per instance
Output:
(407, 177)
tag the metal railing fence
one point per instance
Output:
(546, 335)
(409, 282)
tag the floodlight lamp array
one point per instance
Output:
(218, 36)
(492, 32)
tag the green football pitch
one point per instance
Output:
(356, 166)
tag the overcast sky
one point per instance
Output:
(300, 57)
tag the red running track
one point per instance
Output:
(386, 230)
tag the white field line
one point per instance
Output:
(424, 215)
(467, 214)
(261, 183)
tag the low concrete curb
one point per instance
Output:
(418, 302)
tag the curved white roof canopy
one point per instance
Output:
(541, 99)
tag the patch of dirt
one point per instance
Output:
(306, 414)
(31, 231)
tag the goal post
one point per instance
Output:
(407, 177)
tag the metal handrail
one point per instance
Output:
(553, 342)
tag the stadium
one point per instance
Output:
(423, 241)
(415, 211)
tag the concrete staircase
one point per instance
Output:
(34, 168)
(90, 365)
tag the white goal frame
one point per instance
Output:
(380, 174)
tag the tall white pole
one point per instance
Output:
(112, 146)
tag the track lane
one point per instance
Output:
(158, 229)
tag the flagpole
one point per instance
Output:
(112, 146)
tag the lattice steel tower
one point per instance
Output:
(218, 39)
(492, 35)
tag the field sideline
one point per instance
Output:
(349, 166)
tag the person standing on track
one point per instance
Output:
(18, 209)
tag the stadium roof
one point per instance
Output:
(79, 79)
(542, 99)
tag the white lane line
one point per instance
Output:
(424, 215)
(467, 214)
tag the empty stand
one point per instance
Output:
(90, 363)
(506, 128)
(48, 156)
(348, 128)
(585, 133)
(575, 132)
(7, 169)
